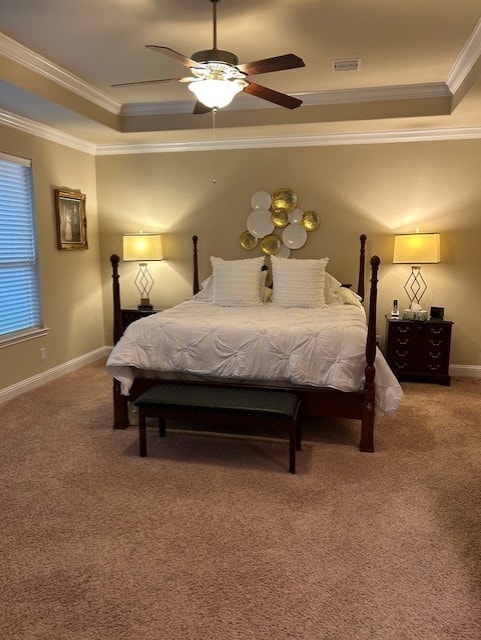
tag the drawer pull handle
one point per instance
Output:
(436, 343)
(437, 331)
(434, 367)
(405, 341)
(400, 365)
(435, 355)
(401, 354)
(402, 329)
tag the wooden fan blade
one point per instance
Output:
(200, 108)
(128, 84)
(265, 93)
(278, 63)
(175, 55)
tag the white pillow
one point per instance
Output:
(331, 290)
(206, 290)
(298, 283)
(237, 283)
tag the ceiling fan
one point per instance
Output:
(217, 77)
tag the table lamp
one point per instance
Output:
(416, 249)
(142, 248)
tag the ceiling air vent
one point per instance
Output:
(348, 64)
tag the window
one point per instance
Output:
(20, 304)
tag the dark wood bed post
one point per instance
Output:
(121, 413)
(362, 262)
(196, 287)
(368, 407)
(114, 261)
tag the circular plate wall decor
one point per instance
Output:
(295, 216)
(248, 241)
(310, 221)
(284, 198)
(270, 245)
(294, 236)
(284, 252)
(259, 223)
(261, 200)
(280, 217)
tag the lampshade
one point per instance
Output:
(216, 94)
(417, 248)
(142, 247)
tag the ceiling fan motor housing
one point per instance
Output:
(215, 55)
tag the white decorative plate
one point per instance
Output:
(294, 236)
(261, 200)
(295, 216)
(259, 223)
(284, 252)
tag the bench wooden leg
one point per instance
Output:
(161, 427)
(142, 434)
(293, 442)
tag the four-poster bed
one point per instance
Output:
(132, 378)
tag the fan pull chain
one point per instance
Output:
(214, 180)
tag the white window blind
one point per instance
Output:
(20, 304)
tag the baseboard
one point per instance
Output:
(465, 370)
(51, 374)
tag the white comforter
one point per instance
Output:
(318, 347)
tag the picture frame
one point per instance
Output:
(71, 219)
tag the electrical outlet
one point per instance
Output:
(43, 353)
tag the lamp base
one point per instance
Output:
(145, 305)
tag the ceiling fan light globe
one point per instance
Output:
(216, 94)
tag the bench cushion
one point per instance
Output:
(279, 405)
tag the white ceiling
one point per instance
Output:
(419, 76)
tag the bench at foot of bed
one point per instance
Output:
(221, 405)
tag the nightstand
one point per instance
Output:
(419, 350)
(132, 313)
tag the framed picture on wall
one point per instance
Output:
(71, 220)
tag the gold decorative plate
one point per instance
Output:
(310, 220)
(284, 198)
(280, 217)
(248, 241)
(270, 245)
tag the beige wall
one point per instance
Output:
(70, 281)
(374, 189)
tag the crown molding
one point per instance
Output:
(466, 59)
(15, 121)
(323, 140)
(370, 137)
(312, 98)
(35, 62)
(26, 125)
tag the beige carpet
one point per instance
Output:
(209, 537)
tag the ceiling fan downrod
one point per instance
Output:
(214, 24)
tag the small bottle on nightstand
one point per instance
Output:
(395, 310)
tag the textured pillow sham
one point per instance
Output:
(237, 283)
(298, 283)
